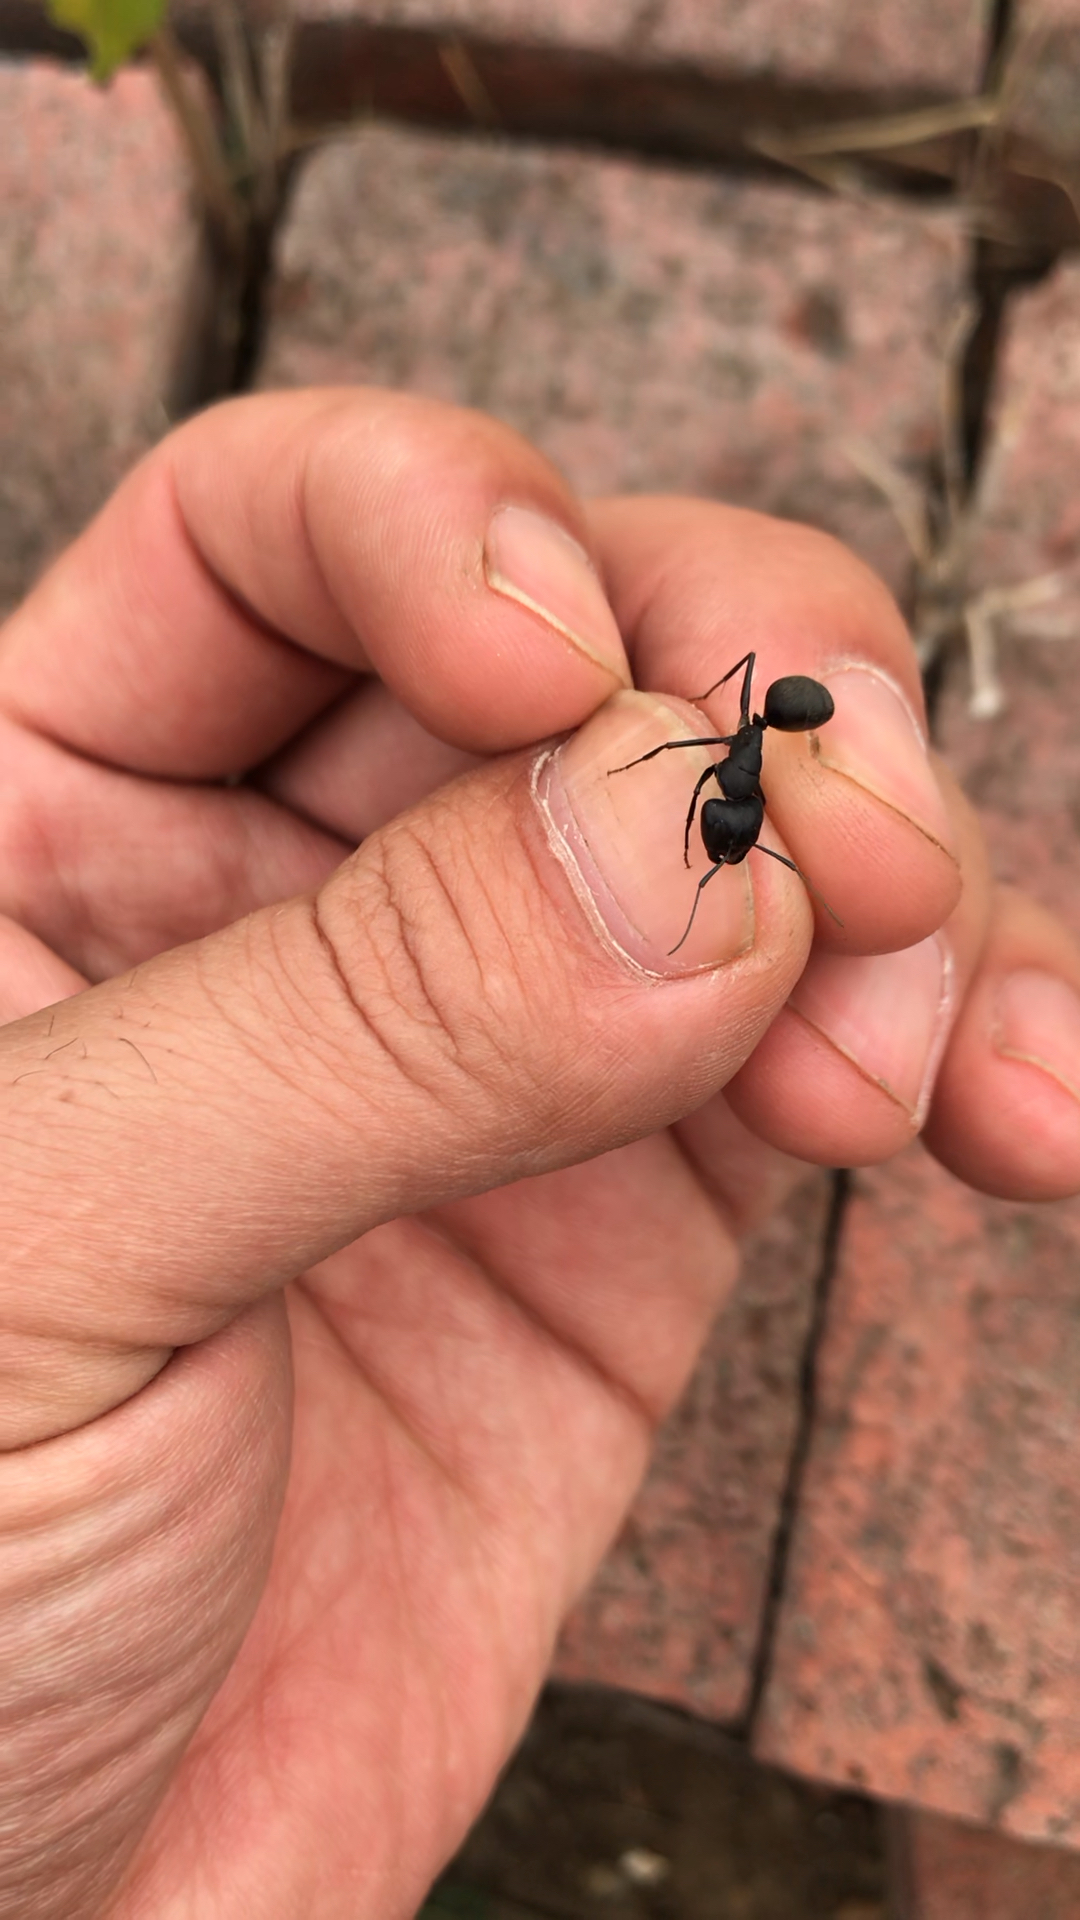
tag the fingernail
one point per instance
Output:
(889, 1014)
(1037, 1020)
(534, 561)
(619, 836)
(875, 739)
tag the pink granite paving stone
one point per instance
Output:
(955, 1872)
(97, 250)
(676, 1610)
(649, 329)
(928, 1643)
(1022, 768)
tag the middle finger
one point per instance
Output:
(696, 586)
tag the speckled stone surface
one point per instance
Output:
(1022, 769)
(929, 1641)
(951, 1871)
(676, 1610)
(928, 1645)
(97, 249)
(649, 329)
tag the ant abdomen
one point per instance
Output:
(796, 703)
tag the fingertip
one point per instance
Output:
(462, 558)
(1006, 1108)
(1006, 1114)
(1024, 1143)
(801, 1096)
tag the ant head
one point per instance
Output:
(795, 704)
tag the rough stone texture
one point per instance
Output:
(934, 44)
(1023, 769)
(97, 251)
(649, 329)
(1030, 517)
(676, 1610)
(956, 1872)
(928, 1645)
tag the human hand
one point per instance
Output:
(427, 1045)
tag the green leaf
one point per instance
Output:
(113, 29)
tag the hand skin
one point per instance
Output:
(370, 1208)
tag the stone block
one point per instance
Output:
(1022, 768)
(949, 1871)
(677, 1610)
(928, 1647)
(98, 244)
(650, 329)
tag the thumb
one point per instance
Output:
(483, 991)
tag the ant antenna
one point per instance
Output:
(784, 862)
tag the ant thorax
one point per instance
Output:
(738, 775)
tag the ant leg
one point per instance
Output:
(703, 882)
(747, 661)
(808, 884)
(713, 740)
(706, 776)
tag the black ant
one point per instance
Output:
(730, 827)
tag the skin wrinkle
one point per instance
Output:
(412, 939)
(302, 530)
(38, 856)
(277, 1062)
(493, 1532)
(871, 1079)
(223, 867)
(532, 843)
(216, 581)
(360, 1364)
(712, 1192)
(621, 1391)
(476, 886)
(411, 931)
(131, 1793)
(302, 489)
(1042, 1066)
(399, 1059)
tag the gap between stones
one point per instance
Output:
(992, 282)
(798, 1458)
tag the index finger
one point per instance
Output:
(274, 547)
(696, 586)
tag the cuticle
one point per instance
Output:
(849, 664)
(564, 854)
(872, 1079)
(1033, 1060)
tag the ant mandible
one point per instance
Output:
(730, 827)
